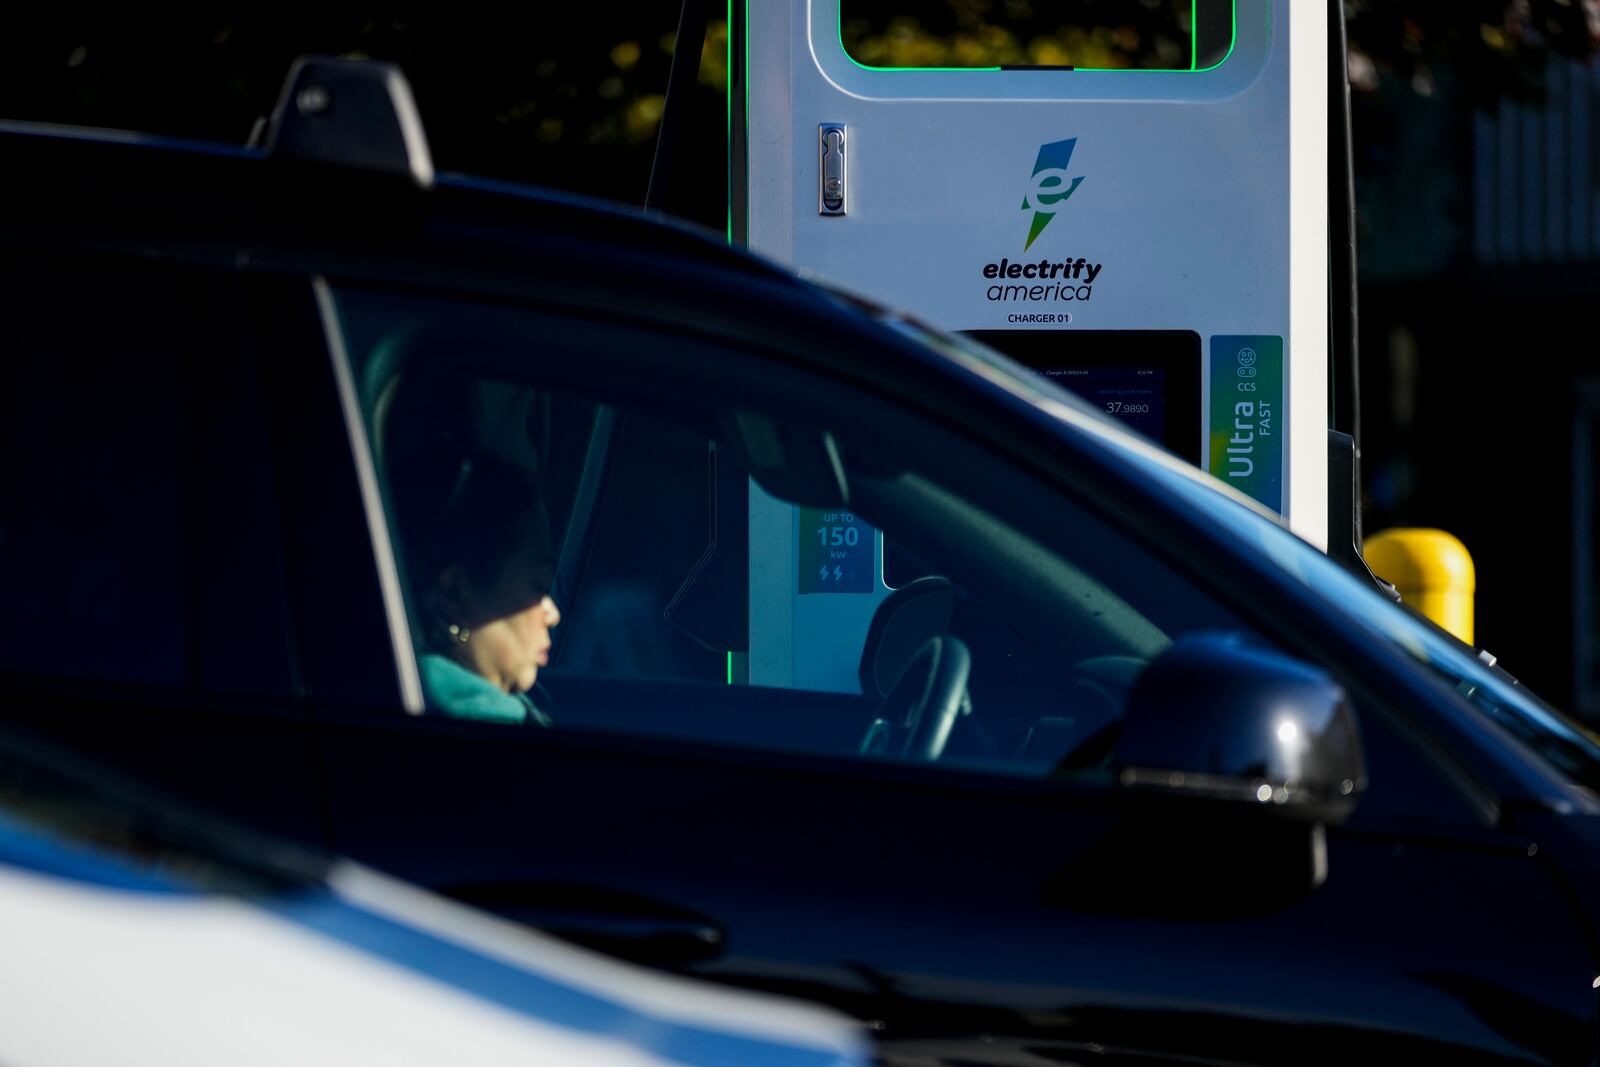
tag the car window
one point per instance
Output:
(137, 523)
(771, 561)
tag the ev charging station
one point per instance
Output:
(1156, 240)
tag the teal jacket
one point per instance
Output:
(463, 694)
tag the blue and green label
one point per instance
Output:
(837, 552)
(1246, 447)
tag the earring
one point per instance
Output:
(460, 633)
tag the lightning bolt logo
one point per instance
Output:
(1049, 187)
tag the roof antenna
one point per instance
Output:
(351, 113)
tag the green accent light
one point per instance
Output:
(728, 90)
(1192, 68)
(744, 78)
(1194, 36)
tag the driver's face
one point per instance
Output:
(510, 650)
(512, 616)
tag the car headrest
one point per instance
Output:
(428, 399)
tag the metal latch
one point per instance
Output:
(830, 168)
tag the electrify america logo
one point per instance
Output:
(1050, 187)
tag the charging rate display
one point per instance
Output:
(1136, 395)
(837, 552)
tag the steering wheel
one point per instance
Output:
(917, 715)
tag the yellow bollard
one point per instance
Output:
(1433, 572)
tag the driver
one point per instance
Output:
(478, 550)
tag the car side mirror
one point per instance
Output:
(1232, 761)
(1220, 718)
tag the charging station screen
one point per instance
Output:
(1170, 35)
(1135, 395)
(1148, 379)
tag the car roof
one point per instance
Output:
(193, 198)
(62, 155)
(189, 199)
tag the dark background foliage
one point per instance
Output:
(569, 95)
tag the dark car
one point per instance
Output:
(466, 531)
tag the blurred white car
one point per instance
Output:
(134, 934)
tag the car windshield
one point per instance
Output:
(1564, 744)
(1570, 748)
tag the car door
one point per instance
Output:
(640, 796)
(144, 612)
